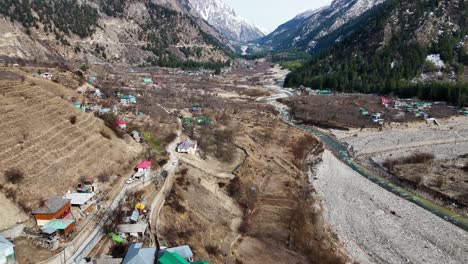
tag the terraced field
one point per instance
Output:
(39, 138)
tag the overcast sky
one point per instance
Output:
(269, 14)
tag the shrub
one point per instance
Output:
(72, 120)
(173, 201)
(234, 187)
(110, 121)
(14, 175)
(104, 134)
(119, 250)
(244, 227)
(212, 250)
(11, 193)
(415, 158)
(104, 177)
(169, 138)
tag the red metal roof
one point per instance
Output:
(144, 164)
(121, 122)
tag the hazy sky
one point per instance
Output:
(269, 14)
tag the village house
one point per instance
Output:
(136, 254)
(196, 108)
(47, 75)
(142, 170)
(127, 100)
(135, 231)
(80, 200)
(95, 92)
(7, 252)
(188, 146)
(184, 251)
(122, 124)
(386, 102)
(203, 120)
(92, 78)
(168, 257)
(55, 208)
(147, 80)
(84, 88)
(136, 136)
(55, 219)
(87, 186)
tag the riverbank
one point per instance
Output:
(377, 226)
(443, 179)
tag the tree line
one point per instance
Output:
(361, 64)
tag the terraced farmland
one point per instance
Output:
(39, 139)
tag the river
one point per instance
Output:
(341, 152)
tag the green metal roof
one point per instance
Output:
(200, 262)
(172, 258)
(325, 92)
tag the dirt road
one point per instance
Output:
(170, 167)
(379, 227)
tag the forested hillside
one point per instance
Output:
(386, 50)
(139, 32)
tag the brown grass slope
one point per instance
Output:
(38, 138)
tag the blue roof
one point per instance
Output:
(135, 216)
(138, 255)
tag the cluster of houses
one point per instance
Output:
(419, 109)
(310, 91)
(55, 220)
(408, 106)
(138, 254)
(57, 217)
(199, 120)
(127, 100)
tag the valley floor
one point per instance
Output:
(377, 226)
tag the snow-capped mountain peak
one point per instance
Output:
(307, 29)
(235, 28)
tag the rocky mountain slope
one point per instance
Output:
(394, 48)
(158, 32)
(236, 29)
(307, 30)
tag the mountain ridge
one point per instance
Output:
(139, 32)
(306, 30)
(236, 29)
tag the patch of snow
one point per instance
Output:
(436, 60)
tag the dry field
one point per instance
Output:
(266, 216)
(50, 142)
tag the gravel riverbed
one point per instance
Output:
(377, 226)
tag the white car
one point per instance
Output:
(175, 162)
(130, 180)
